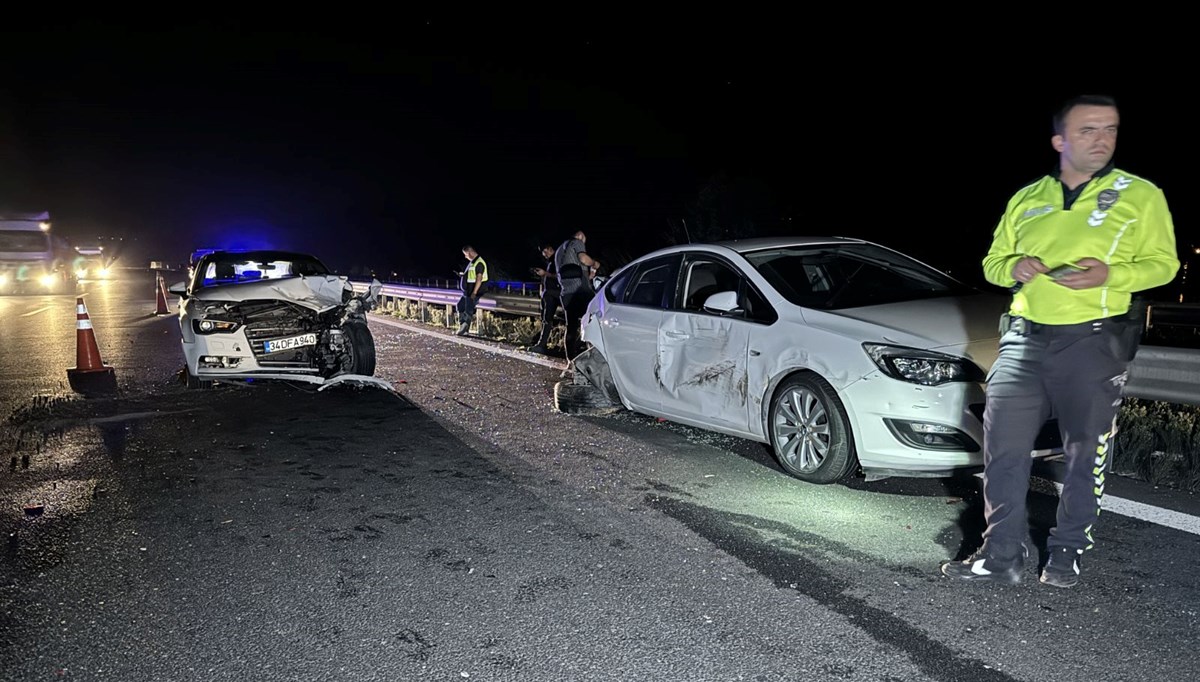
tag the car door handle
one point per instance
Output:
(754, 353)
(610, 322)
(677, 335)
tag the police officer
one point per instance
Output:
(1073, 246)
(473, 283)
(550, 293)
(575, 271)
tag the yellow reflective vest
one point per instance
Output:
(1118, 218)
(473, 266)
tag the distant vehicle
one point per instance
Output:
(91, 263)
(838, 353)
(29, 259)
(248, 315)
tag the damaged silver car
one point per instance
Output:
(248, 315)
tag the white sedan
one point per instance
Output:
(838, 353)
(249, 315)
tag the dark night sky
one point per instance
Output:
(390, 144)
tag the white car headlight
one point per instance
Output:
(922, 366)
(211, 326)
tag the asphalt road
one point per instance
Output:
(459, 528)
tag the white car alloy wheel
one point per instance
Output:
(810, 436)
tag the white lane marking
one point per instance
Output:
(1134, 510)
(516, 355)
(35, 312)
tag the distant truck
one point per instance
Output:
(30, 261)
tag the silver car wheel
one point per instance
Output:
(801, 430)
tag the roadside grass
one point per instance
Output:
(518, 330)
(1159, 443)
(1156, 442)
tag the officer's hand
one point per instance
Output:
(1095, 275)
(539, 272)
(1027, 268)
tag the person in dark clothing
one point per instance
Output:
(550, 293)
(575, 271)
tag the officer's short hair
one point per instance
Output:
(1080, 101)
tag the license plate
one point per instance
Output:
(288, 344)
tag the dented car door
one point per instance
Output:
(702, 371)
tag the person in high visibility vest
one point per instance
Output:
(1072, 247)
(473, 284)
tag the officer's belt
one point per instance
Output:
(1026, 327)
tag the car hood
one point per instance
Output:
(961, 325)
(318, 292)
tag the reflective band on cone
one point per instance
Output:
(90, 374)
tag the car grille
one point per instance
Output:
(270, 321)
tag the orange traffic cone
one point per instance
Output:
(160, 288)
(90, 374)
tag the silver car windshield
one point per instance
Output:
(833, 277)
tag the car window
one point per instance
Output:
(614, 290)
(755, 305)
(852, 275)
(652, 282)
(704, 277)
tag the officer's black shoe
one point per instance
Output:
(988, 566)
(1062, 567)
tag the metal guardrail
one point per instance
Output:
(511, 304)
(1165, 373)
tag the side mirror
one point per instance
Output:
(722, 302)
(178, 288)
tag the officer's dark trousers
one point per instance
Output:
(550, 305)
(466, 309)
(1070, 373)
(575, 303)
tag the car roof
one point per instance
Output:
(758, 243)
(743, 246)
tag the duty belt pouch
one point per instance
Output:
(1014, 324)
(1127, 332)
